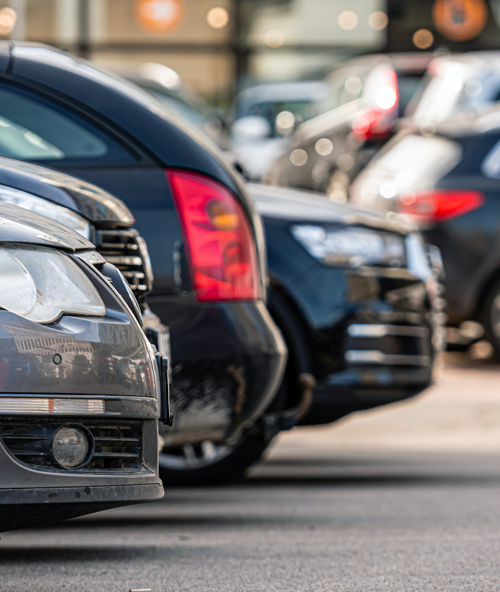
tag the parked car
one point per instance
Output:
(355, 298)
(364, 99)
(168, 87)
(77, 435)
(447, 182)
(204, 237)
(263, 117)
(456, 85)
(97, 216)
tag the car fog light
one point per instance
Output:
(70, 446)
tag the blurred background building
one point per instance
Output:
(220, 46)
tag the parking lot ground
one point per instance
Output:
(404, 498)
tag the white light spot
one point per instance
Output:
(324, 147)
(8, 18)
(275, 38)
(285, 120)
(386, 97)
(347, 20)
(217, 17)
(378, 20)
(298, 157)
(387, 190)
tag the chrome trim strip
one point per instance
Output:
(377, 331)
(51, 406)
(372, 356)
(92, 257)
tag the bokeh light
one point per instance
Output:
(217, 17)
(378, 20)
(8, 18)
(275, 38)
(348, 20)
(423, 39)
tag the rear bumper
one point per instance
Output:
(228, 360)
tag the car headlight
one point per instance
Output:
(42, 284)
(350, 246)
(46, 208)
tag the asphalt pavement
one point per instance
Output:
(401, 499)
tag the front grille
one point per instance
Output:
(128, 252)
(116, 446)
(381, 344)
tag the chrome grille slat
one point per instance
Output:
(126, 250)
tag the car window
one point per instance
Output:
(491, 164)
(409, 161)
(343, 87)
(35, 129)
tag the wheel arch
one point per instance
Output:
(291, 322)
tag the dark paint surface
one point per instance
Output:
(89, 201)
(153, 137)
(325, 300)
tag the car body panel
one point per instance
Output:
(90, 201)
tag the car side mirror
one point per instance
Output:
(251, 127)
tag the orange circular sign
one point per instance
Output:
(460, 20)
(158, 16)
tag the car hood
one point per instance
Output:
(91, 202)
(18, 225)
(292, 204)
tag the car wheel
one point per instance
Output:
(491, 317)
(208, 462)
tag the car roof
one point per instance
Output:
(86, 199)
(120, 102)
(284, 203)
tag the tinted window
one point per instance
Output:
(32, 128)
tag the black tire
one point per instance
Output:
(490, 317)
(228, 466)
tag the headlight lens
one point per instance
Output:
(41, 284)
(46, 208)
(352, 247)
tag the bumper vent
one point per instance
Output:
(115, 446)
(128, 252)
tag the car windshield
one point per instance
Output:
(301, 109)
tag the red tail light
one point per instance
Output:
(439, 205)
(221, 249)
(377, 122)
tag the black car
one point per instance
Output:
(355, 298)
(447, 182)
(204, 238)
(364, 99)
(96, 215)
(79, 383)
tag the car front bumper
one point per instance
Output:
(379, 346)
(120, 469)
